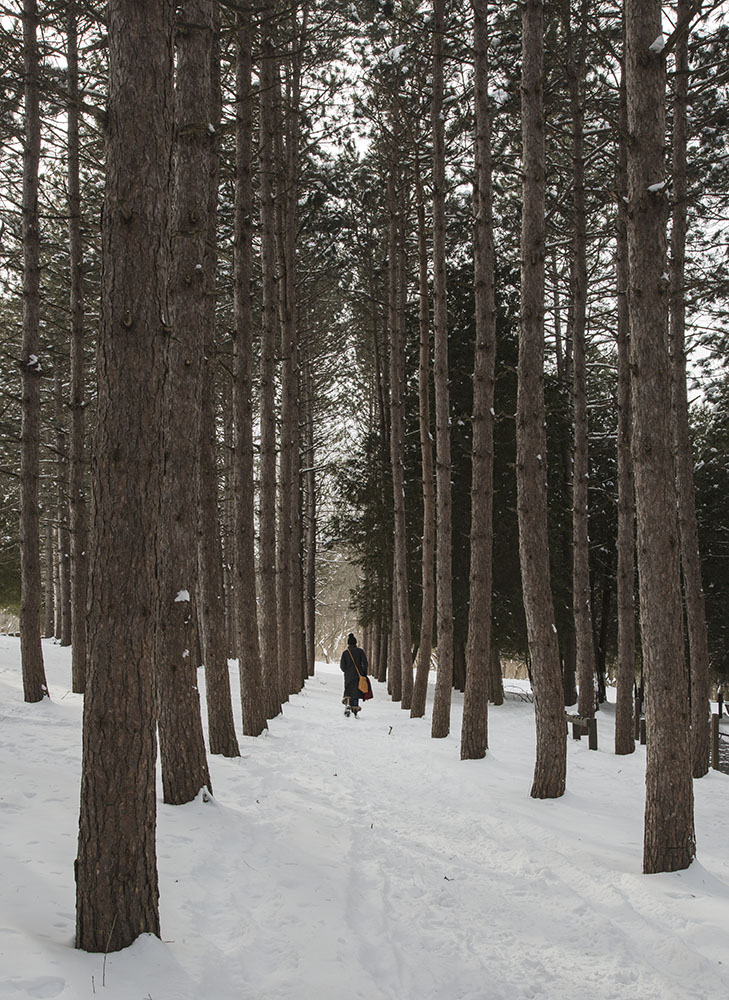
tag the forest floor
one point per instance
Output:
(361, 859)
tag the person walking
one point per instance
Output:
(353, 664)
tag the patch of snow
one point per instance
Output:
(362, 858)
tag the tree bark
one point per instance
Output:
(531, 457)
(584, 638)
(249, 654)
(400, 604)
(116, 873)
(213, 630)
(442, 699)
(78, 505)
(669, 842)
(624, 722)
(474, 732)
(427, 617)
(690, 558)
(49, 600)
(270, 658)
(63, 628)
(182, 748)
(310, 522)
(35, 687)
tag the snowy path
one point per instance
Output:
(360, 859)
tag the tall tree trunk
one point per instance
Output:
(35, 687)
(77, 396)
(63, 630)
(425, 646)
(213, 618)
(625, 681)
(531, 456)
(49, 605)
(400, 604)
(182, 747)
(568, 643)
(406, 638)
(690, 559)
(442, 699)
(669, 842)
(474, 732)
(249, 653)
(225, 521)
(116, 871)
(496, 680)
(270, 659)
(394, 676)
(291, 388)
(580, 470)
(311, 516)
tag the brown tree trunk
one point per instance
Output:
(442, 699)
(63, 629)
(400, 603)
(425, 646)
(182, 748)
(394, 676)
(78, 506)
(270, 659)
(406, 639)
(474, 732)
(249, 654)
(690, 558)
(496, 680)
(531, 456)
(568, 643)
(584, 639)
(35, 687)
(669, 842)
(49, 605)
(310, 525)
(291, 387)
(214, 630)
(116, 872)
(625, 681)
(212, 618)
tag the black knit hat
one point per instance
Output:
(351, 641)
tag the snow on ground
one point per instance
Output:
(361, 859)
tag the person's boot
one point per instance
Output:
(347, 709)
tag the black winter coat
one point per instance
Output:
(351, 677)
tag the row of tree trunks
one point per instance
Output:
(474, 732)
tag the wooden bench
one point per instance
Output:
(583, 727)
